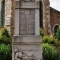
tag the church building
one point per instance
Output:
(23, 19)
(49, 17)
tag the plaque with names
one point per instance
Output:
(27, 22)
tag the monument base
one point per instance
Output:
(26, 47)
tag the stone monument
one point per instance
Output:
(26, 42)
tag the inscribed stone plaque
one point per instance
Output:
(27, 21)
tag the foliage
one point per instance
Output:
(5, 37)
(5, 33)
(48, 39)
(5, 52)
(41, 32)
(49, 52)
(58, 34)
(51, 40)
(45, 39)
(5, 44)
(57, 43)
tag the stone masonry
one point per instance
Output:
(54, 18)
(9, 16)
(26, 47)
(47, 16)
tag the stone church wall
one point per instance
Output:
(54, 17)
(50, 16)
(46, 17)
(8, 14)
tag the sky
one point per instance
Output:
(55, 4)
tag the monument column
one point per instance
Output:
(26, 42)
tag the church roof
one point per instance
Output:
(51, 8)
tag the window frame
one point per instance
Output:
(2, 13)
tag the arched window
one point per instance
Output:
(55, 29)
(41, 14)
(2, 13)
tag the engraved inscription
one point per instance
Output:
(27, 21)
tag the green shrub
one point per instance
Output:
(5, 45)
(5, 37)
(5, 33)
(48, 39)
(41, 32)
(58, 34)
(51, 40)
(5, 52)
(45, 39)
(57, 43)
(49, 52)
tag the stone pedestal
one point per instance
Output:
(26, 42)
(26, 47)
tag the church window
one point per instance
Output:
(55, 29)
(41, 14)
(2, 13)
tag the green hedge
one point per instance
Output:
(58, 34)
(49, 52)
(4, 36)
(5, 45)
(5, 52)
(48, 39)
(41, 32)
